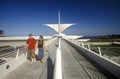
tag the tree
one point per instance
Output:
(1, 31)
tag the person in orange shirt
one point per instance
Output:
(31, 45)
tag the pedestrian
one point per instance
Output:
(31, 45)
(41, 47)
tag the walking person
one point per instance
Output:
(31, 45)
(41, 47)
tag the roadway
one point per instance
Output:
(74, 66)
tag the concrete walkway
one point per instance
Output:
(36, 70)
(74, 66)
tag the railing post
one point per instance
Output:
(78, 43)
(82, 44)
(15, 48)
(89, 47)
(99, 51)
(17, 54)
(59, 42)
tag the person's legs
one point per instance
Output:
(41, 60)
(33, 55)
(29, 54)
(41, 52)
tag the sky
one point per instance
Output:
(91, 17)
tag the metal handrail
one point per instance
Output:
(58, 64)
(7, 54)
(6, 57)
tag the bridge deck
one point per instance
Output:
(74, 66)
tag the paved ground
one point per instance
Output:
(36, 70)
(74, 65)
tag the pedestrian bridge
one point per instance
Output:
(75, 62)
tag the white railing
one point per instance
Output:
(17, 57)
(58, 64)
(8, 56)
(109, 65)
(11, 60)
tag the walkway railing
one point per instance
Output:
(58, 63)
(10, 60)
(8, 56)
(110, 66)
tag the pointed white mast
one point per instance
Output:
(59, 22)
(59, 27)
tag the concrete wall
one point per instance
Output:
(107, 64)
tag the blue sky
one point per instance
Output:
(92, 17)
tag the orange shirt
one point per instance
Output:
(31, 43)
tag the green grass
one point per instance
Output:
(104, 40)
(110, 50)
